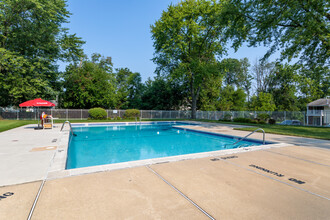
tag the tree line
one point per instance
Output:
(238, 85)
(190, 40)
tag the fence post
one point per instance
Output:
(67, 113)
(18, 115)
(81, 114)
(170, 114)
(141, 114)
(107, 114)
(284, 115)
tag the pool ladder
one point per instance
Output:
(70, 127)
(258, 129)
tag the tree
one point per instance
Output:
(187, 43)
(209, 95)
(231, 99)
(298, 28)
(163, 94)
(89, 84)
(31, 42)
(263, 102)
(129, 89)
(237, 73)
(282, 86)
(313, 83)
(262, 72)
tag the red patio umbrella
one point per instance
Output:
(37, 103)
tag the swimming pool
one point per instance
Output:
(108, 144)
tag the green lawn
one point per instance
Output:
(311, 132)
(10, 124)
(301, 131)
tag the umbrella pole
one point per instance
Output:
(38, 118)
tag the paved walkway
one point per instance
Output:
(277, 183)
(25, 153)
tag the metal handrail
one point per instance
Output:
(263, 139)
(70, 127)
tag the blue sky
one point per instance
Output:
(121, 30)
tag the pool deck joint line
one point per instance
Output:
(304, 190)
(181, 193)
(309, 161)
(40, 189)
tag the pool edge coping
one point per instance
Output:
(57, 168)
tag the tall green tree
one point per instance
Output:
(32, 40)
(263, 102)
(129, 89)
(313, 83)
(209, 95)
(89, 84)
(163, 94)
(187, 42)
(231, 99)
(236, 73)
(298, 28)
(283, 87)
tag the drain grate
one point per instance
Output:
(54, 140)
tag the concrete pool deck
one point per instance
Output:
(275, 183)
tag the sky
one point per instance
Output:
(121, 30)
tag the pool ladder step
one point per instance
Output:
(70, 127)
(244, 145)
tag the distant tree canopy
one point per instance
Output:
(129, 89)
(89, 84)
(162, 93)
(190, 39)
(31, 42)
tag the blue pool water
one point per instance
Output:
(121, 143)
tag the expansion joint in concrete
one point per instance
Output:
(181, 193)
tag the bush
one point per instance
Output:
(261, 122)
(224, 120)
(117, 118)
(243, 120)
(263, 116)
(1, 118)
(271, 121)
(131, 113)
(97, 113)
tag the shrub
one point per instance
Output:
(261, 122)
(271, 121)
(131, 113)
(243, 120)
(117, 118)
(1, 118)
(97, 113)
(263, 116)
(224, 120)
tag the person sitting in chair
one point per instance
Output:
(42, 117)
